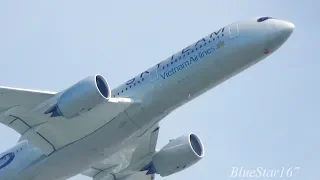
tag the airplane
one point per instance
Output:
(107, 134)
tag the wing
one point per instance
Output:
(28, 98)
(48, 133)
(129, 162)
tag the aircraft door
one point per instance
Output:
(153, 75)
(137, 112)
(233, 30)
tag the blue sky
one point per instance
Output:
(267, 116)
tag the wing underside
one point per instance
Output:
(27, 98)
(52, 133)
(49, 134)
(128, 162)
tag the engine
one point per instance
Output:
(177, 155)
(81, 97)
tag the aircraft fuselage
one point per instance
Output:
(165, 87)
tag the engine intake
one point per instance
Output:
(176, 156)
(81, 97)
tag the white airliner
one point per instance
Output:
(107, 134)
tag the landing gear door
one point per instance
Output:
(233, 30)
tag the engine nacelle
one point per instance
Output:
(177, 155)
(81, 97)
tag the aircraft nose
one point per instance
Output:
(284, 28)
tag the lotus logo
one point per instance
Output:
(6, 159)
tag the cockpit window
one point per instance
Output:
(263, 19)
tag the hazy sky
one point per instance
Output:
(267, 116)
